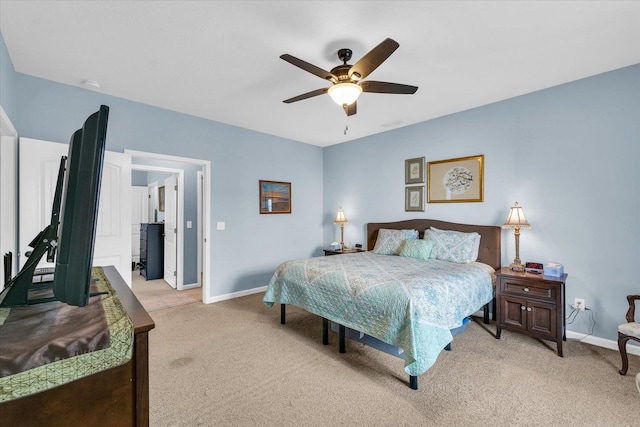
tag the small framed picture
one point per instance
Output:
(414, 198)
(414, 171)
(161, 198)
(275, 197)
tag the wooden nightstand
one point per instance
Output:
(329, 252)
(531, 304)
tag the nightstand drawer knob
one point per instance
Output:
(526, 289)
(528, 308)
(523, 308)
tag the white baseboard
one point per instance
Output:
(233, 295)
(602, 342)
(590, 339)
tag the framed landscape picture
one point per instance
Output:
(456, 180)
(275, 197)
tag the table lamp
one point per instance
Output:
(516, 220)
(341, 220)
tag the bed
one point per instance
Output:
(396, 293)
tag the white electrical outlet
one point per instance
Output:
(579, 304)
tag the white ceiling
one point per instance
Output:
(220, 60)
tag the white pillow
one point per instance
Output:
(453, 246)
(389, 242)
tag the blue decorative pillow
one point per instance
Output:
(390, 242)
(453, 246)
(420, 249)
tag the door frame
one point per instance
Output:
(199, 227)
(204, 244)
(179, 215)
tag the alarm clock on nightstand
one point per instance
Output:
(534, 267)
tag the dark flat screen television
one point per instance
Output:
(79, 211)
(70, 237)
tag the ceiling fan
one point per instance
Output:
(346, 79)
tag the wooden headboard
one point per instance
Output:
(489, 252)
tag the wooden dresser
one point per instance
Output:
(152, 251)
(115, 397)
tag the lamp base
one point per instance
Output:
(516, 266)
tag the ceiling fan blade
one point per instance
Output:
(306, 95)
(385, 87)
(373, 59)
(323, 74)
(351, 109)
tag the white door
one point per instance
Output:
(8, 193)
(139, 215)
(170, 230)
(153, 202)
(39, 162)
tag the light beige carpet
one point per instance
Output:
(161, 302)
(158, 294)
(233, 364)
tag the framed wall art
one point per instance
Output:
(414, 198)
(275, 197)
(456, 180)
(414, 171)
(161, 198)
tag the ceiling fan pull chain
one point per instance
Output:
(346, 128)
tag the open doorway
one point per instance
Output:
(187, 181)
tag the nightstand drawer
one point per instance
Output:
(528, 288)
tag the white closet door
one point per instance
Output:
(139, 215)
(170, 230)
(39, 162)
(8, 192)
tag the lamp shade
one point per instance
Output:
(345, 93)
(341, 218)
(516, 218)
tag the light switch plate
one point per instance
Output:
(220, 226)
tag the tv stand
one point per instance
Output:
(116, 396)
(18, 287)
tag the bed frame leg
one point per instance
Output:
(283, 313)
(447, 347)
(486, 313)
(493, 309)
(325, 331)
(413, 382)
(342, 347)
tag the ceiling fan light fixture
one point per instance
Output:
(345, 93)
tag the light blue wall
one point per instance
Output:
(243, 256)
(570, 155)
(139, 178)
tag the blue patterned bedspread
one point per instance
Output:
(410, 303)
